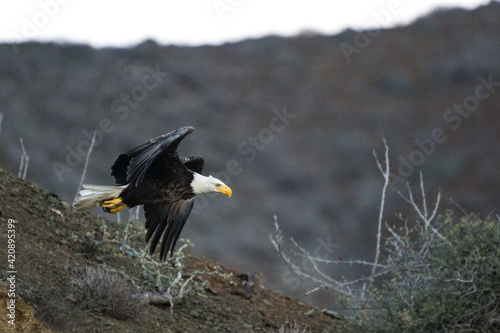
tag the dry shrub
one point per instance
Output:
(440, 273)
(450, 286)
(106, 291)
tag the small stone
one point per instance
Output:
(194, 314)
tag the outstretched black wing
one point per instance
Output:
(132, 165)
(166, 220)
(169, 219)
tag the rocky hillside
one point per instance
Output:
(77, 273)
(288, 123)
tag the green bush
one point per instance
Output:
(442, 284)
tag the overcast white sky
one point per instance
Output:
(188, 22)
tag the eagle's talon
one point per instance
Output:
(114, 209)
(111, 203)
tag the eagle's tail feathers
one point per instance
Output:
(92, 195)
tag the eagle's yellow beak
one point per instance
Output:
(226, 190)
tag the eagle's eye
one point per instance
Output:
(218, 185)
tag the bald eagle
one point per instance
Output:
(154, 176)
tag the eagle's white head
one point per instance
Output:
(203, 184)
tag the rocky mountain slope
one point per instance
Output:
(76, 273)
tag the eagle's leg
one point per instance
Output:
(114, 209)
(111, 203)
(113, 206)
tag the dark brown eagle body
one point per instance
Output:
(171, 187)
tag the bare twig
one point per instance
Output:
(184, 288)
(385, 173)
(119, 218)
(23, 166)
(134, 213)
(422, 190)
(84, 172)
(395, 235)
(450, 200)
(318, 276)
(422, 212)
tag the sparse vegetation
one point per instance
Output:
(436, 285)
(168, 280)
(438, 274)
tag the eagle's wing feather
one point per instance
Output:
(132, 165)
(154, 215)
(194, 163)
(166, 220)
(176, 223)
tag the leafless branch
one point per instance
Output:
(422, 190)
(399, 245)
(395, 235)
(134, 213)
(422, 212)
(23, 166)
(385, 173)
(323, 280)
(84, 172)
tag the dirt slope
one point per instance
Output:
(53, 242)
